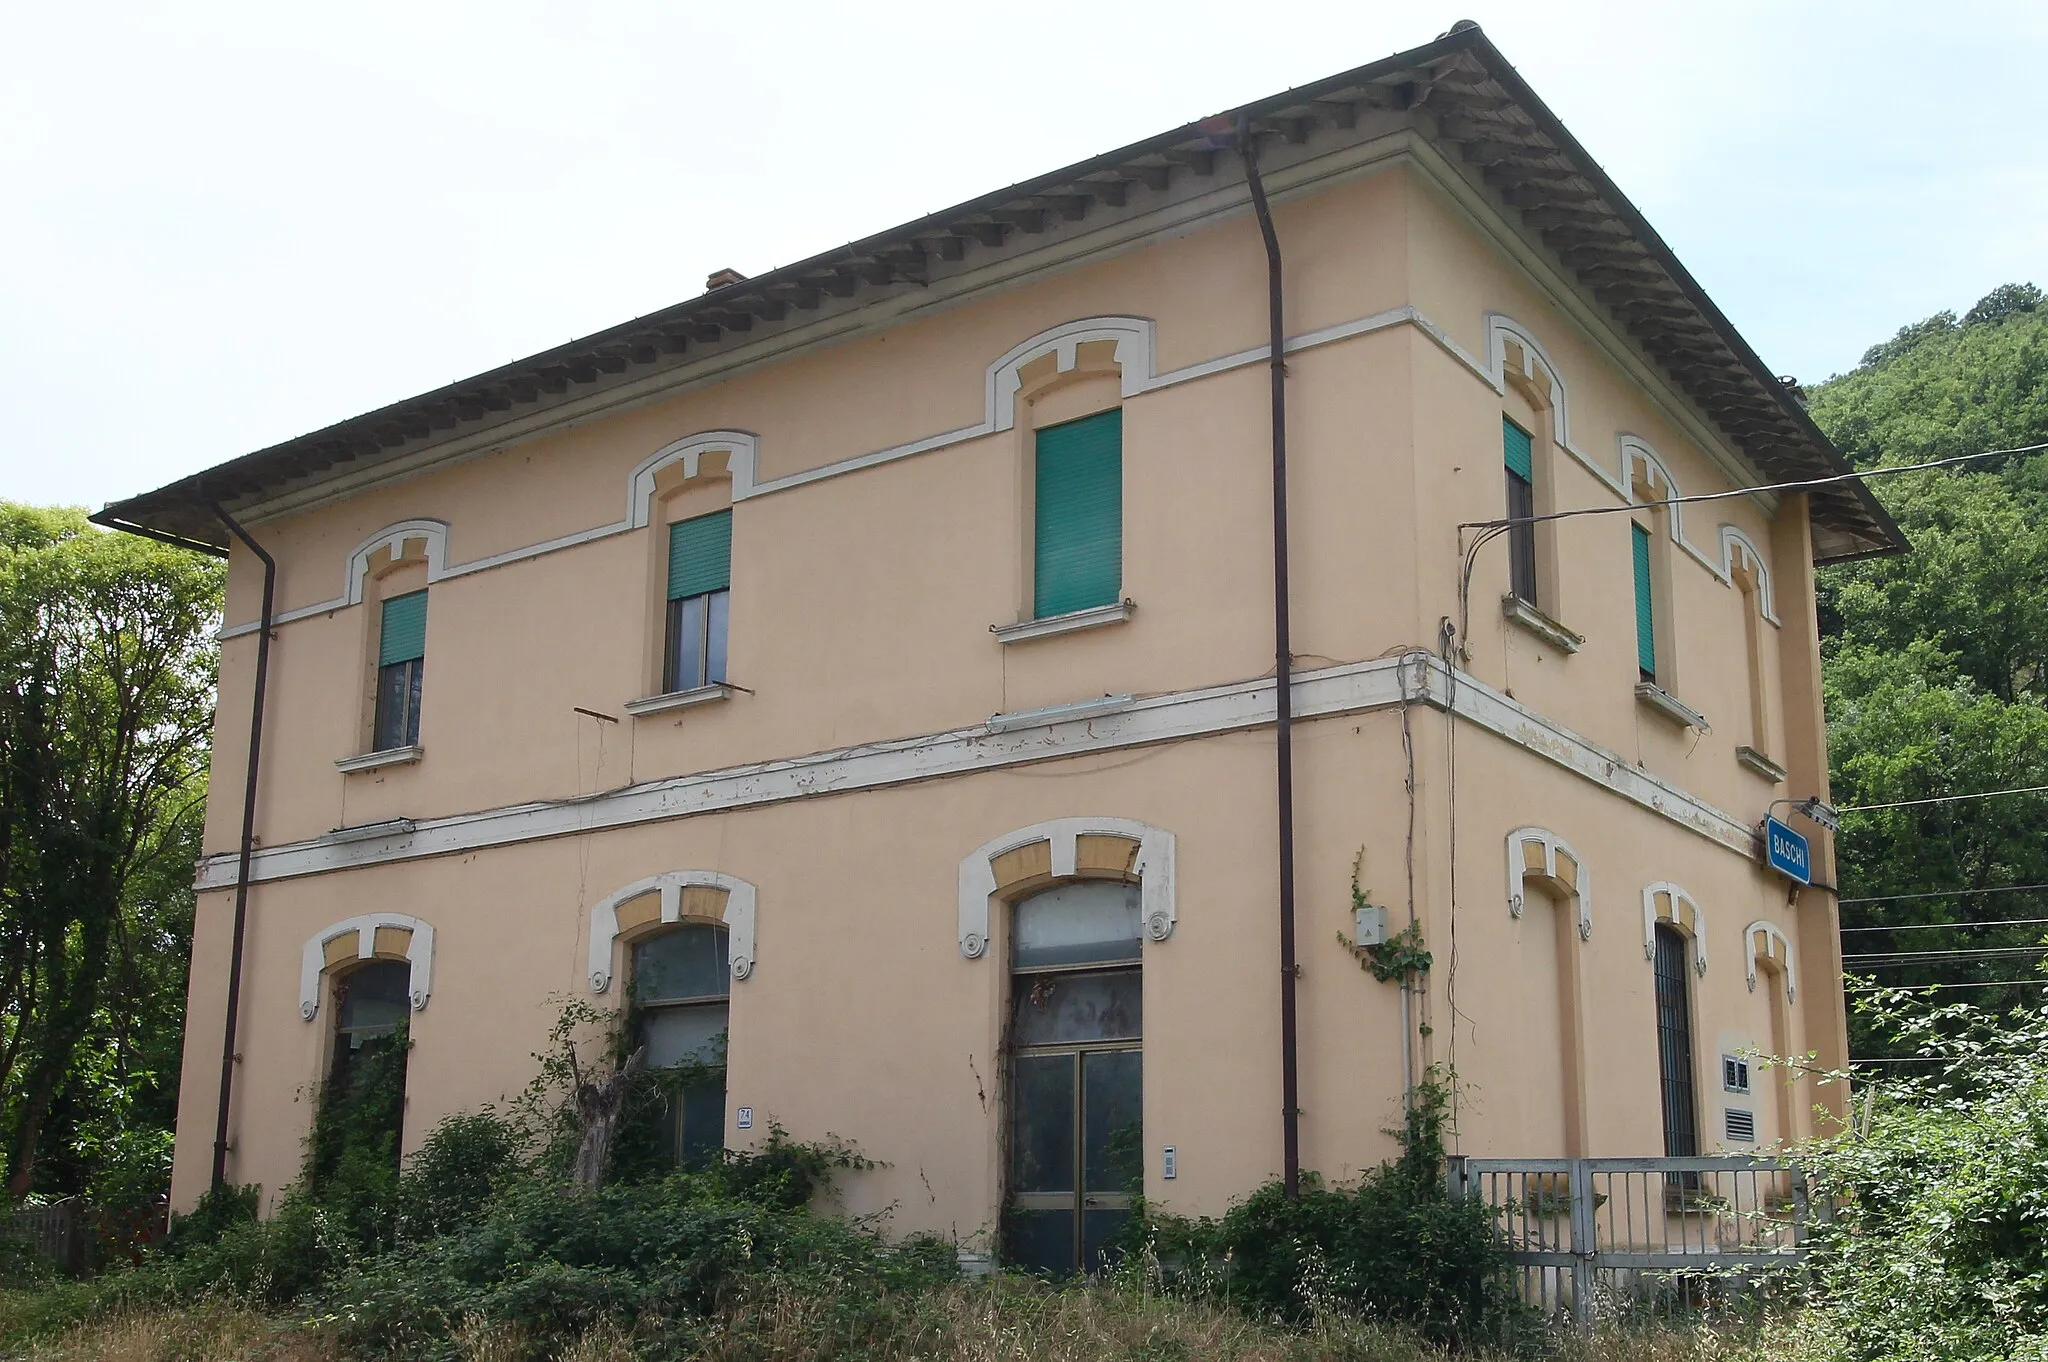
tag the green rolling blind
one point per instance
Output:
(1078, 547)
(1515, 441)
(700, 555)
(404, 633)
(1646, 615)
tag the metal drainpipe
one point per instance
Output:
(227, 1046)
(1283, 677)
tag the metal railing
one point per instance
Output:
(57, 1231)
(1606, 1236)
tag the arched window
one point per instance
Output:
(682, 1000)
(1674, 1044)
(1077, 1072)
(370, 1004)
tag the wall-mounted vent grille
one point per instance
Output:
(1741, 1125)
(1734, 1074)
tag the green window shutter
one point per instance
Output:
(1515, 441)
(1646, 615)
(404, 633)
(1078, 546)
(700, 555)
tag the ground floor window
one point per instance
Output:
(1076, 1133)
(682, 994)
(361, 1111)
(1674, 1045)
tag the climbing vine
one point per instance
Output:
(1401, 954)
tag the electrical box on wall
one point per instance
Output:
(1369, 925)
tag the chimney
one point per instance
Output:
(720, 278)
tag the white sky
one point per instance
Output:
(222, 225)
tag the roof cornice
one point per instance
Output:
(1459, 89)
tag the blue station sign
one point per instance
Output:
(1787, 852)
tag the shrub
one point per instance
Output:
(1938, 1245)
(1394, 1247)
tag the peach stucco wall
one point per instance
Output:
(861, 612)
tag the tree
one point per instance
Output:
(107, 663)
(1937, 660)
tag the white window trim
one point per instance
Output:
(1154, 868)
(1094, 617)
(1552, 844)
(738, 918)
(1734, 541)
(1778, 947)
(680, 699)
(419, 952)
(1685, 915)
(377, 761)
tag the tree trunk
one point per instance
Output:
(597, 1107)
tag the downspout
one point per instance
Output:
(227, 1045)
(1283, 676)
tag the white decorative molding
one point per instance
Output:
(1738, 550)
(1579, 889)
(1154, 868)
(739, 447)
(419, 953)
(743, 448)
(1132, 337)
(376, 761)
(1636, 452)
(1666, 902)
(1094, 708)
(679, 699)
(1768, 941)
(1094, 617)
(1348, 688)
(738, 918)
(1503, 331)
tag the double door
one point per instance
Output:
(1076, 1154)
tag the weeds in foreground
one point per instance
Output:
(1006, 1319)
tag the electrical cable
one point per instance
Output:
(1952, 926)
(1941, 799)
(1915, 988)
(1940, 894)
(1799, 486)
(1959, 952)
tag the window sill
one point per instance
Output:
(1523, 615)
(377, 761)
(1761, 764)
(1095, 617)
(1667, 706)
(680, 699)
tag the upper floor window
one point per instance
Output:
(682, 988)
(699, 589)
(1078, 516)
(1520, 460)
(1646, 603)
(401, 667)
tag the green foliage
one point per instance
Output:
(1937, 660)
(106, 673)
(1938, 1248)
(450, 1181)
(352, 1153)
(1395, 1247)
(1400, 955)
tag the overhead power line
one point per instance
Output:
(1944, 894)
(1941, 799)
(1915, 988)
(1801, 486)
(1964, 952)
(1946, 926)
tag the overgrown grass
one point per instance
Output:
(1006, 1319)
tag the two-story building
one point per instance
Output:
(869, 670)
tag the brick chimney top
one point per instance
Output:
(720, 278)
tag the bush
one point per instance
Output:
(1394, 1247)
(1938, 1246)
